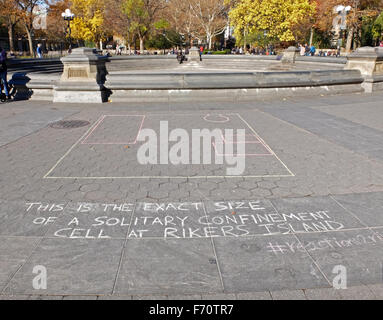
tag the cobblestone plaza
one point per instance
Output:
(75, 200)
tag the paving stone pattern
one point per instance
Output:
(69, 202)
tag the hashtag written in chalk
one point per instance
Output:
(276, 248)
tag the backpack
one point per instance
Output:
(3, 65)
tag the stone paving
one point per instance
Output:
(77, 202)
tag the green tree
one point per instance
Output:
(377, 28)
(142, 14)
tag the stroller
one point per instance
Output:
(11, 90)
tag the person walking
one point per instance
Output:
(3, 73)
(312, 50)
(271, 49)
(39, 51)
(302, 50)
(381, 44)
(307, 50)
(338, 51)
(200, 53)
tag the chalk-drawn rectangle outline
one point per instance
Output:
(48, 174)
(114, 143)
(241, 155)
(235, 141)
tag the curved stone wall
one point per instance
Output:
(231, 77)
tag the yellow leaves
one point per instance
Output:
(277, 17)
(89, 19)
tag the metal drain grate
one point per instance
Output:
(70, 124)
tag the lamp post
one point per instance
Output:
(266, 42)
(32, 37)
(342, 14)
(68, 16)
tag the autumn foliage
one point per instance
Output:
(137, 21)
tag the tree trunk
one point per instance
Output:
(244, 41)
(30, 41)
(350, 36)
(10, 35)
(142, 45)
(359, 42)
(311, 36)
(209, 40)
(128, 43)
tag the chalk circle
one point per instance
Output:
(216, 118)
